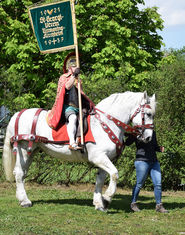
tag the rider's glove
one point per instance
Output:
(76, 72)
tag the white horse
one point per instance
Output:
(112, 116)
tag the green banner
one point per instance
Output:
(53, 26)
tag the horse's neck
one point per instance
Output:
(121, 106)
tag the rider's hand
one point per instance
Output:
(76, 72)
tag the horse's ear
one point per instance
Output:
(153, 97)
(145, 96)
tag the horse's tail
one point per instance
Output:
(8, 157)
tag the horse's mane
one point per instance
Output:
(126, 98)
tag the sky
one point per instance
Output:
(173, 14)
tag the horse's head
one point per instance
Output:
(143, 118)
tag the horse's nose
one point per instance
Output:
(148, 139)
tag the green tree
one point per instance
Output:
(168, 84)
(117, 42)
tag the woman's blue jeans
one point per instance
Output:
(142, 170)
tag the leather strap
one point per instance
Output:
(38, 139)
(33, 133)
(119, 145)
(129, 129)
(126, 127)
(15, 137)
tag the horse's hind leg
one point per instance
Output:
(23, 162)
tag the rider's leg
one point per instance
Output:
(71, 128)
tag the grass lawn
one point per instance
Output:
(69, 210)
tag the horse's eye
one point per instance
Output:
(149, 114)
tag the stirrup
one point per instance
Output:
(75, 147)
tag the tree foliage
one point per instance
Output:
(117, 42)
(121, 40)
(168, 84)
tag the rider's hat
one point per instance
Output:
(70, 61)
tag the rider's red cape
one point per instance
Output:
(54, 116)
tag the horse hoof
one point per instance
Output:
(106, 203)
(26, 205)
(101, 209)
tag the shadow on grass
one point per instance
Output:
(118, 204)
(75, 201)
(122, 202)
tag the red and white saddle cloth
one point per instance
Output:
(61, 134)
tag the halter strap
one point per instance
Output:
(141, 109)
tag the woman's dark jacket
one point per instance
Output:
(145, 151)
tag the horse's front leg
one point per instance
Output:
(23, 162)
(97, 199)
(111, 190)
(102, 161)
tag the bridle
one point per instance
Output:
(137, 130)
(144, 126)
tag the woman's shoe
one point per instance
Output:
(160, 208)
(134, 207)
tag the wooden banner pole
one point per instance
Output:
(78, 65)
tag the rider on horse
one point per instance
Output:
(66, 105)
